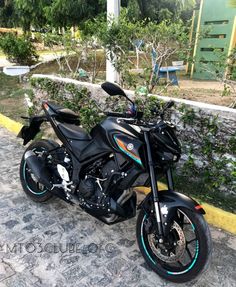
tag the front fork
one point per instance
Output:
(154, 185)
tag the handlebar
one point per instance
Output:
(139, 115)
(129, 119)
(119, 115)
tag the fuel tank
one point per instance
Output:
(113, 136)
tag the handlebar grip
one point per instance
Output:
(111, 114)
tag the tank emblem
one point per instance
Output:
(130, 146)
(122, 146)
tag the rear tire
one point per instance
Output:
(173, 271)
(34, 190)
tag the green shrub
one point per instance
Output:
(18, 49)
(69, 96)
(209, 168)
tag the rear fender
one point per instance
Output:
(170, 201)
(28, 133)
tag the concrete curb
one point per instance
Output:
(215, 216)
(10, 125)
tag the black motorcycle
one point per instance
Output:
(98, 172)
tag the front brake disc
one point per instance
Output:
(179, 248)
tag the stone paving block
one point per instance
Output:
(100, 279)
(31, 228)
(74, 274)
(10, 224)
(19, 280)
(28, 218)
(45, 222)
(7, 236)
(6, 271)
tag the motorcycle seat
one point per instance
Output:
(64, 114)
(74, 132)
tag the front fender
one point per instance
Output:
(170, 201)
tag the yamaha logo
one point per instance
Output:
(130, 146)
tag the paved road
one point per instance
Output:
(4, 62)
(98, 256)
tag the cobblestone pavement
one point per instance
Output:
(104, 255)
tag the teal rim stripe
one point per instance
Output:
(142, 240)
(169, 272)
(191, 266)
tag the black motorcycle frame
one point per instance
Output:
(153, 202)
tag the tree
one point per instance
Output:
(65, 13)
(232, 3)
(7, 17)
(18, 49)
(31, 12)
(157, 9)
(166, 39)
(133, 9)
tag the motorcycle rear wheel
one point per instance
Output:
(36, 191)
(187, 251)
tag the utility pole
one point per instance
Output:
(113, 12)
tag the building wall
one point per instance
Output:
(216, 18)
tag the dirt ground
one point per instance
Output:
(208, 85)
(202, 91)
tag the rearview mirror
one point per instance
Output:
(113, 89)
(169, 105)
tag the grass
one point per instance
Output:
(12, 97)
(53, 67)
(50, 52)
(226, 202)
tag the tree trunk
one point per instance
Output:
(143, 6)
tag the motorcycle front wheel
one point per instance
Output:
(186, 251)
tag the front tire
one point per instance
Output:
(36, 191)
(188, 251)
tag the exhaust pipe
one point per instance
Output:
(38, 168)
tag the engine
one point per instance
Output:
(95, 180)
(99, 190)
